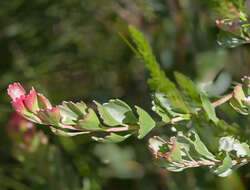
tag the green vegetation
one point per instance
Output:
(187, 129)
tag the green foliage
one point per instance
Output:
(188, 88)
(112, 138)
(158, 81)
(230, 8)
(90, 121)
(50, 116)
(230, 144)
(200, 147)
(229, 41)
(66, 133)
(224, 170)
(71, 50)
(163, 107)
(146, 123)
(240, 97)
(183, 152)
(116, 112)
(235, 24)
(71, 112)
(208, 107)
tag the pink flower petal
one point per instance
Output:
(15, 91)
(18, 127)
(18, 104)
(20, 108)
(31, 101)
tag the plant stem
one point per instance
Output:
(222, 100)
(126, 128)
(204, 163)
(215, 104)
(176, 119)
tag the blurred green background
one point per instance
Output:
(71, 50)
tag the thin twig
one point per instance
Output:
(126, 128)
(222, 100)
(176, 119)
(213, 163)
(203, 163)
(215, 104)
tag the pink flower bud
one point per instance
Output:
(27, 105)
(16, 91)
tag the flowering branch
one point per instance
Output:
(76, 118)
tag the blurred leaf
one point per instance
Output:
(118, 162)
(188, 88)
(228, 129)
(245, 85)
(159, 82)
(230, 41)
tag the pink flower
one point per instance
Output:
(27, 105)
(23, 133)
(19, 128)
(37, 108)
(15, 91)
